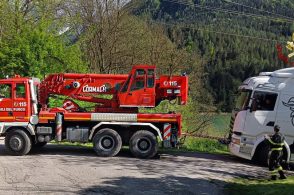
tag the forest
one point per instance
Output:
(233, 39)
(218, 43)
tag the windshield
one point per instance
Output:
(263, 100)
(242, 100)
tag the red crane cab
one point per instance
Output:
(18, 101)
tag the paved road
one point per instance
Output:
(70, 170)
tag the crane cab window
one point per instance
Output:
(126, 85)
(139, 80)
(150, 78)
(20, 91)
(5, 90)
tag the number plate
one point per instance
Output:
(245, 149)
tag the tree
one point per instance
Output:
(33, 44)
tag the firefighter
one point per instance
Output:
(276, 142)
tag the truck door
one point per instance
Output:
(139, 89)
(6, 102)
(21, 111)
(261, 117)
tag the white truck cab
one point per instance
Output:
(262, 102)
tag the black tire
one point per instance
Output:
(261, 156)
(107, 142)
(39, 144)
(18, 142)
(143, 144)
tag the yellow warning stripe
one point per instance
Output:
(44, 118)
(8, 117)
(17, 118)
(13, 117)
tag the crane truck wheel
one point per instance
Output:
(18, 142)
(143, 144)
(107, 142)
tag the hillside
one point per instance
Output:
(218, 43)
(235, 39)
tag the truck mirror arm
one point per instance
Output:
(250, 109)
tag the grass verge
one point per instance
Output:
(204, 145)
(65, 143)
(265, 187)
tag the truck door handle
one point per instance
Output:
(130, 94)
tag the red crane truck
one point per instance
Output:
(27, 120)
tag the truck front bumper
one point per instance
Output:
(235, 147)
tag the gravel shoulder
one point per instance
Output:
(60, 169)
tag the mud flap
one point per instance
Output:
(167, 132)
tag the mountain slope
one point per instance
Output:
(236, 39)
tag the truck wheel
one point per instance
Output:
(18, 142)
(143, 144)
(262, 154)
(107, 142)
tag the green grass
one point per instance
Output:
(245, 186)
(217, 128)
(65, 143)
(204, 145)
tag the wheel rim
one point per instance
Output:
(16, 143)
(106, 143)
(144, 145)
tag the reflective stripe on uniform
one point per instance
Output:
(276, 144)
(278, 149)
(274, 172)
(280, 168)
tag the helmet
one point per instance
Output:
(277, 128)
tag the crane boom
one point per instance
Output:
(140, 88)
